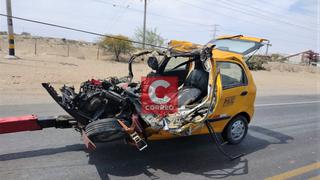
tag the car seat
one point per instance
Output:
(195, 86)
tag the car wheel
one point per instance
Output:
(236, 130)
(105, 130)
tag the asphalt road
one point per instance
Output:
(283, 141)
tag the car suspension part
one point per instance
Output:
(218, 143)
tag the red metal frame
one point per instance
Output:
(20, 123)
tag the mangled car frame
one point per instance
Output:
(215, 94)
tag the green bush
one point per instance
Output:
(257, 61)
(152, 37)
(118, 44)
(277, 58)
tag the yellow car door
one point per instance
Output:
(235, 92)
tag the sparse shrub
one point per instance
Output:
(152, 37)
(255, 65)
(277, 58)
(25, 34)
(118, 45)
(257, 62)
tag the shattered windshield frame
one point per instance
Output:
(236, 46)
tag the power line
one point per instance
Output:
(262, 16)
(177, 20)
(116, 5)
(280, 8)
(236, 10)
(83, 31)
(116, 16)
(215, 29)
(78, 30)
(234, 17)
(256, 35)
(279, 17)
(103, 35)
(264, 12)
(257, 10)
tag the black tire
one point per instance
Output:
(236, 130)
(105, 130)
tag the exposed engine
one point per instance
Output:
(96, 99)
(105, 109)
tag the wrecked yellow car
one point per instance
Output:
(233, 104)
(214, 94)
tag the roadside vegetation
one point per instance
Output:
(152, 37)
(118, 45)
(121, 45)
(259, 62)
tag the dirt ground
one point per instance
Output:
(21, 79)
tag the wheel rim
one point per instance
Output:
(237, 130)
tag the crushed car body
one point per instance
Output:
(215, 95)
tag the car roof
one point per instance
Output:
(186, 46)
(242, 37)
(183, 46)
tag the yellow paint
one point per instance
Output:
(296, 172)
(11, 46)
(183, 46)
(242, 104)
(241, 37)
(11, 36)
(219, 54)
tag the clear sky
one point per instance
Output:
(291, 25)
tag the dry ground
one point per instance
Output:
(21, 79)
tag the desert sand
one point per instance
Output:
(59, 64)
(21, 79)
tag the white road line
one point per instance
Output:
(291, 103)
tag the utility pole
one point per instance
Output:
(35, 46)
(10, 31)
(268, 45)
(144, 24)
(215, 29)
